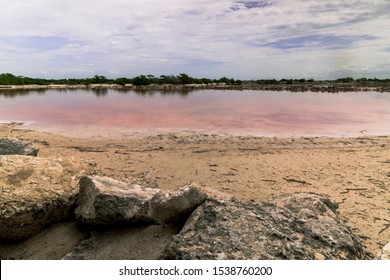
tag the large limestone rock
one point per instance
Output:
(12, 146)
(34, 193)
(297, 226)
(105, 201)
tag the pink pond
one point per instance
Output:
(237, 112)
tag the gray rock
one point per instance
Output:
(297, 226)
(125, 243)
(35, 192)
(104, 201)
(168, 207)
(385, 253)
(12, 146)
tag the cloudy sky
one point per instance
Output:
(203, 38)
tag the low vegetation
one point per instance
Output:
(181, 79)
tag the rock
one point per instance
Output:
(297, 226)
(385, 254)
(52, 243)
(125, 243)
(35, 192)
(12, 146)
(177, 206)
(104, 201)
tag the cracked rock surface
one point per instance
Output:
(104, 201)
(297, 226)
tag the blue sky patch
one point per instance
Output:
(250, 5)
(36, 43)
(328, 41)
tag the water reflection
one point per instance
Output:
(183, 92)
(254, 112)
(21, 92)
(99, 92)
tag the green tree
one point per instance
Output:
(185, 79)
(141, 80)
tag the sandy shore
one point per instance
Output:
(355, 172)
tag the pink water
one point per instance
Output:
(239, 112)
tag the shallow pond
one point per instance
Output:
(240, 112)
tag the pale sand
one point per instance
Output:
(355, 172)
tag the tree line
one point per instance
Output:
(181, 79)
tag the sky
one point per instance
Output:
(239, 39)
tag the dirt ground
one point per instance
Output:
(355, 172)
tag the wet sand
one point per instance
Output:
(355, 172)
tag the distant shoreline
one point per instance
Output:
(299, 87)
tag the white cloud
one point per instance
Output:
(241, 39)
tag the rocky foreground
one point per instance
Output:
(55, 208)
